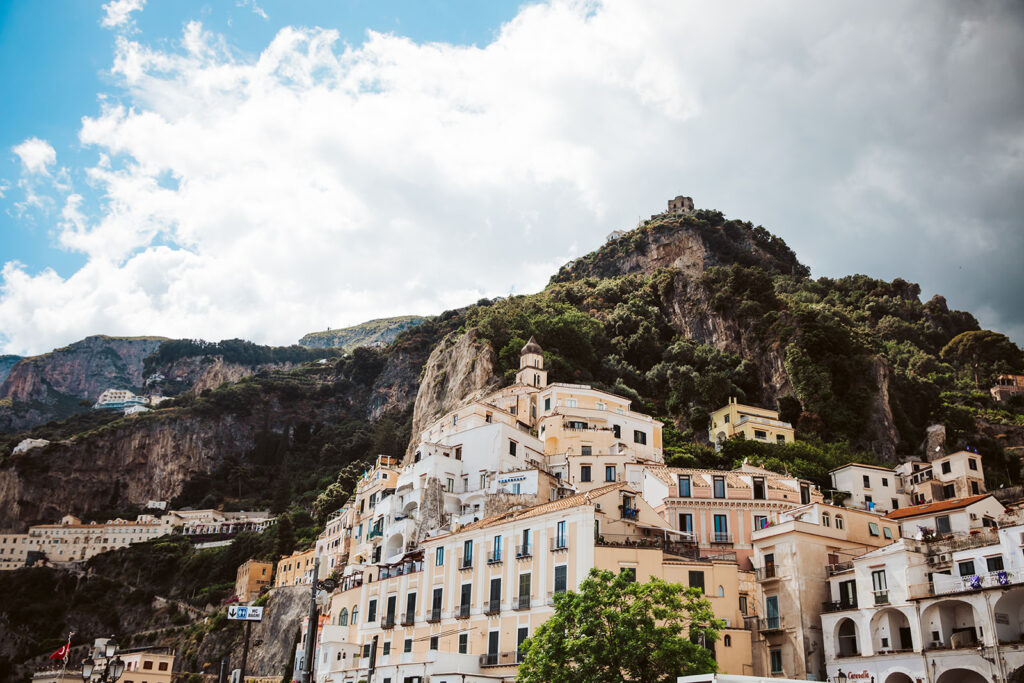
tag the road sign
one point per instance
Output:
(245, 613)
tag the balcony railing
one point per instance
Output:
(388, 622)
(462, 612)
(494, 558)
(881, 597)
(434, 615)
(630, 513)
(559, 544)
(493, 607)
(374, 533)
(771, 624)
(523, 602)
(500, 659)
(524, 550)
(769, 572)
(721, 537)
(837, 568)
(409, 619)
(466, 563)
(945, 585)
(838, 605)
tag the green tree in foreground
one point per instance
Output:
(615, 630)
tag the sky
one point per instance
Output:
(263, 169)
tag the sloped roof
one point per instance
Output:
(932, 508)
(858, 464)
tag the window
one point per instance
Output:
(521, 635)
(407, 645)
(371, 612)
(467, 553)
(805, 494)
(873, 528)
(726, 419)
(561, 575)
(743, 605)
(439, 556)
(561, 539)
(639, 437)
(946, 467)
(719, 487)
(867, 481)
(775, 658)
(759, 488)
(721, 529)
(780, 438)
(760, 435)
(885, 481)
(684, 486)
(839, 521)
(880, 587)
(629, 573)
(458, 452)
(761, 521)
(455, 419)
(570, 403)
(162, 666)
(483, 480)
(966, 568)
(972, 463)
(617, 430)
(343, 617)
(887, 532)
(995, 564)
(974, 488)
(609, 473)
(686, 522)
(450, 486)
(355, 615)
(547, 404)
(727, 641)
(488, 417)
(525, 588)
(434, 642)
(696, 580)
(895, 504)
(387, 648)
(826, 519)
(512, 447)
(148, 664)
(586, 450)
(496, 549)
(366, 649)
(600, 406)
(949, 491)
(585, 471)
(942, 525)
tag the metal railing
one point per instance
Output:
(771, 623)
(838, 605)
(559, 544)
(837, 568)
(465, 563)
(523, 602)
(944, 585)
(630, 513)
(500, 659)
(388, 622)
(494, 558)
(409, 619)
(493, 607)
(721, 537)
(462, 612)
(881, 597)
(434, 615)
(766, 573)
(524, 550)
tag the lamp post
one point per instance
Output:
(111, 667)
(840, 677)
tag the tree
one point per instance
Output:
(983, 351)
(615, 630)
(285, 536)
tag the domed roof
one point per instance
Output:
(531, 347)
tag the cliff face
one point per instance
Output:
(460, 369)
(196, 373)
(6, 363)
(380, 331)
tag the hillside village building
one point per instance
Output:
(750, 422)
(251, 578)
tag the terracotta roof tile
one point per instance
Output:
(930, 508)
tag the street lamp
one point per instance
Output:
(113, 666)
(840, 677)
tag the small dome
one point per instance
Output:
(531, 347)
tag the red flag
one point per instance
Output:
(62, 653)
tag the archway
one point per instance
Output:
(961, 676)
(1009, 615)
(953, 621)
(898, 677)
(890, 631)
(395, 546)
(846, 638)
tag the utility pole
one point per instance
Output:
(307, 664)
(245, 651)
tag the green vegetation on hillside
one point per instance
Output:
(347, 338)
(233, 351)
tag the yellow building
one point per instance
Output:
(755, 424)
(251, 578)
(296, 569)
(152, 665)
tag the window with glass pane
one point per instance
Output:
(561, 578)
(561, 540)
(719, 487)
(684, 486)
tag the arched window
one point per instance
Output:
(343, 617)
(826, 519)
(839, 521)
(727, 641)
(355, 614)
(721, 592)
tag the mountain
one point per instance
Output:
(6, 363)
(380, 331)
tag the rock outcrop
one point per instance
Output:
(373, 332)
(461, 368)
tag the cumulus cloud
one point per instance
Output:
(322, 184)
(118, 13)
(36, 156)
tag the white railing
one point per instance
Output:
(945, 585)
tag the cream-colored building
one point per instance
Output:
(150, 665)
(296, 569)
(71, 540)
(251, 578)
(958, 516)
(750, 422)
(793, 560)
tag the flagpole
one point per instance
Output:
(67, 655)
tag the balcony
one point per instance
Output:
(388, 621)
(771, 624)
(493, 607)
(946, 585)
(721, 537)
(551, 596)
(434, 615)
(462, 612)
(630, 513)
(838, 568)
(881, 597)
(838, 605)
(559, 545)
(494, 558)
(374, 533)
(523, 551)
(409, 619)
(500, 659)
(522, 602)
(466, 563)
(769, 572)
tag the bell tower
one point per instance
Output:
(531, 365)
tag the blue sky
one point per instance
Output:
(231, 169)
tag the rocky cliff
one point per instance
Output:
(381, 332)
(6, 363)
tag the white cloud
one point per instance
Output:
(319, 184)
(253, 7)
(118, 13)
(36, 156)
